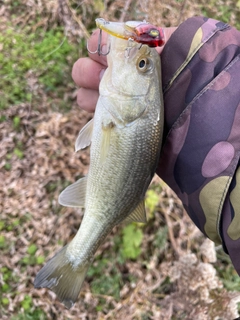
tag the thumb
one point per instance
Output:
(167, 33)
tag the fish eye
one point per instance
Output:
(144, 64)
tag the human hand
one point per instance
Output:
(88, 71)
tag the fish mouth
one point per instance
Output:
(139, 31)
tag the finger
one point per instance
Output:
(93, 44)
(87, 99)
(167, 34)
(87, 73)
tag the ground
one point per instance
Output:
(165, 269)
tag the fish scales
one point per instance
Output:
(125, 138)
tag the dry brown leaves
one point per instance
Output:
(25, 190)
(29, 192)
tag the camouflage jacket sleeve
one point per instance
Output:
(201, 147)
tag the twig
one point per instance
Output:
(67, 12)
(170, 231)
(181, 11)
(125, 10)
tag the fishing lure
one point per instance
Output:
(138, 31)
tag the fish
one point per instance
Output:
(125, 135)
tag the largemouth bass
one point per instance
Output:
(125, 137)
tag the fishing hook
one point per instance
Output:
(99, 50)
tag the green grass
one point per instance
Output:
(46, 56)
(10, 279)
(222, 11)
(30, 312)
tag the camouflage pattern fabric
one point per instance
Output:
(200, 155)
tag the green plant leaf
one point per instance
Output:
(132, 240)
(40, 259)
(27, 303)
(18, 153)
(5, 301)
(151, 201)
(32, 249)
(16, 122)
(2, 241)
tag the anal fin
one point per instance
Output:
(138, 215)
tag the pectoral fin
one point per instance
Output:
(84, 137)
(138, 215)
(74, 195)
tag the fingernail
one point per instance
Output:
(101, 73)
(104, 48)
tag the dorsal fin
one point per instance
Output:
(138, 215)
(74, 195)
(84, 136)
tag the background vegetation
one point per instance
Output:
(162, 270)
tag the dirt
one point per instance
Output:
(31, 181)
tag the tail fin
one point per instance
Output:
(62, 278)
